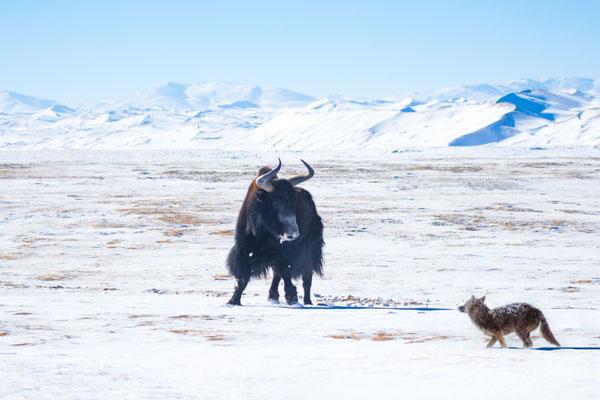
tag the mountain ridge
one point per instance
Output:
(527, 112)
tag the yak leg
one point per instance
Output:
(240, 286)
(306, 284)
(291, 294)
(274, 290)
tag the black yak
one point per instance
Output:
(278, 228)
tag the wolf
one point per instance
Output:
(521, 318)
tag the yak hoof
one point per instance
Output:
(291, 300)
(308, 302)
(273, 300)
(233, 302)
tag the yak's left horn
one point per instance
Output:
(263, 181)
(296, 180)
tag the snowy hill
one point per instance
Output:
(545, 112)
(200, 96)
(11, 102)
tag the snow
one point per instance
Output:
(113, 279)
(528, 113)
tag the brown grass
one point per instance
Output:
(51, 277)
(181, 219)
(415, 339)
(382, 336)
(168, 215)
(224, 232)
(347, 335)
(112, 244)
(211, 336)
(174, 232)
(582, 282)
(221, 277)
(215, 337)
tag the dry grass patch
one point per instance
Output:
(582, 282)
(348, 335)
(112, 244)
(215, 337)
(174, 232)
(224, 232)
(222, 277)
(211, 336)
(52, 277)
(416, 339)
(382, 336)
(168, 215)
(181, 219)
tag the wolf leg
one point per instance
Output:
(524, 336)
(491, 342)
(501, 340)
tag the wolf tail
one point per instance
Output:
(546, 332)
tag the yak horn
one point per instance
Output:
(296, 180)
(263, 181)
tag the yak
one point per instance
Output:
(278, 228)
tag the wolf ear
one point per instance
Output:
(472, 297)
(483, 299)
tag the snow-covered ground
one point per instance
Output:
(113, 285)
(526, 113)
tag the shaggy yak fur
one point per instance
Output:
(278, 228)
(521, 318)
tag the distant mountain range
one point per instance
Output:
(545, 112)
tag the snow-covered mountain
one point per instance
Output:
(544, 112)
(11, 102)
(175, 96)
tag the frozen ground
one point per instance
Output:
(112, 278)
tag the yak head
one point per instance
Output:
(277, 199)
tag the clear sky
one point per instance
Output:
(88, 51)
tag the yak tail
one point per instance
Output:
(546, 332)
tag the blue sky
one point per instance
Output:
(87, 51)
